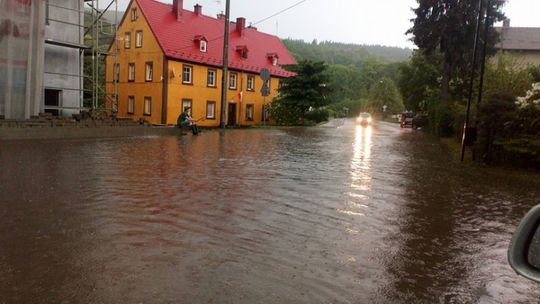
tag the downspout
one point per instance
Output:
(165, 90)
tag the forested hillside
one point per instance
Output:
(344, 53)
(360, 77)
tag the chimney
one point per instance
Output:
(221, 16)
(240, 25)
(177, 8)
(506, 23)
(197, 9)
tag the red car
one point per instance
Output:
(406, 119)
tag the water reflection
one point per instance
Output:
(361, 168)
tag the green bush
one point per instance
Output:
(442, 119)
(496, 120)
(318, 115)
(284, 114)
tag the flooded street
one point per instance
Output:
(332, 214)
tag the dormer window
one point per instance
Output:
(243, 51)
(273, 58)
(202, 42)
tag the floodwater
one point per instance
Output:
(333, 214)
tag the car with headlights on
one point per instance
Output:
(364, 119)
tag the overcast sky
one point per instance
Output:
(381, 22)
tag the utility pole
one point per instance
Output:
(487, 25)
(471, 81)
(225, 65)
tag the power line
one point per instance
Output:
(280, 12)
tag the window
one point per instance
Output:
(232, 81)
(131, 72)
(203, 46)
(274, 61)
(115, 103)
(116, 76)
(149, 71)
(131, 105)
(244, 54)
(211, 80)
(186, 74)
(127, 40)
(186, 103)
(210, 110)
(267, 82)
(138, 39)
(134, 14)
(249, 112)
(147, 105)
(251, 83)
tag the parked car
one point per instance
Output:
(406, 119)
(419, 120)
(364, 118)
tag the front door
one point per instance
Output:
(231, 121)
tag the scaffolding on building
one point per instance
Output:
(97, 35)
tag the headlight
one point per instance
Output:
(359, 119)
(369, 119)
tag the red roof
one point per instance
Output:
(176, 39)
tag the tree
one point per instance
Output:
(308, 89)
(385, 93)
(418, 81)
(449, 26)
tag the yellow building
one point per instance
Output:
(169, 58)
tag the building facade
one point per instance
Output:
(63, 67)
(521, 43)
(170, 58)
(41, 51)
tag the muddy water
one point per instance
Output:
(335, 214)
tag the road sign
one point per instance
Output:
(265, 90)
(265, 74)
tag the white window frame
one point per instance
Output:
(116, 75)
(131, 105)
(275, 61)
(134, 14)
(187, 103)
(232, 80)
(188, 68)
(147, 105)
(203, 46)
(127, 40)
(149, 71)
(138, 39)
(213, 112)
(131, 71)
(213, 83)
(250, 111)
(250, 86)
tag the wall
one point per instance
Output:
(149, 52)
(200, 93)
(526, 58)
(21, 58)
(63, 65)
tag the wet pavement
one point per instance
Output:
(333, 214)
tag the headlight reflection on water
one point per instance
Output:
(361, 171)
